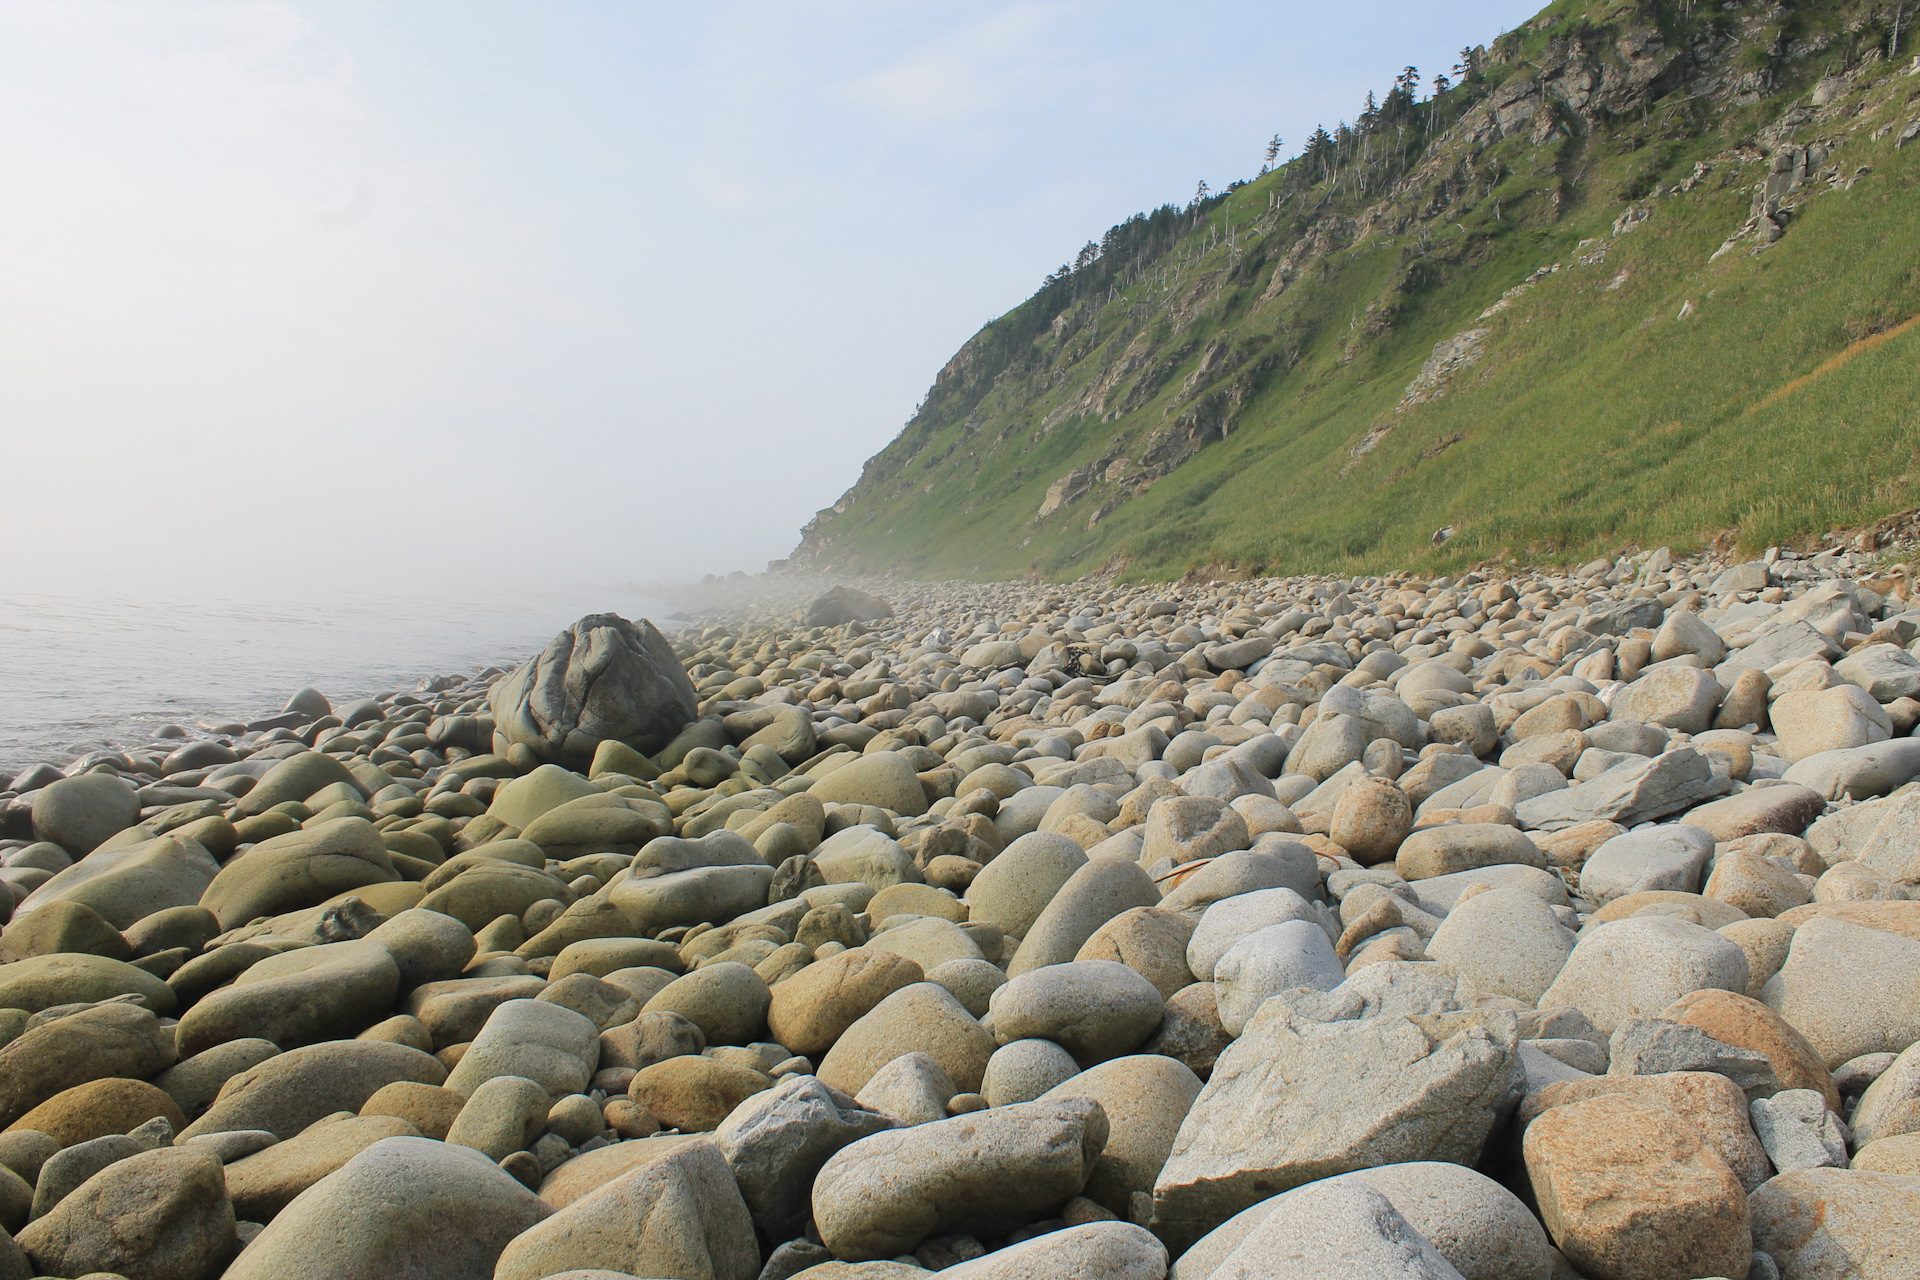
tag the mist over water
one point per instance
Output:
(103, 671)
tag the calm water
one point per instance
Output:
(78, 675)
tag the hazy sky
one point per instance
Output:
(423, 292)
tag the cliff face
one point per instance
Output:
(1640, 274)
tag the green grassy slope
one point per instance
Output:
(1221, 415)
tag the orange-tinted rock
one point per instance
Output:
(1707, 912)
(1747, 1024)
(810, 1010)
(1632, 1192)
(585, 1174)
(1892, 917)
(101, 1107)
(428, 1108)
(1713, 1104)
(694, 1094)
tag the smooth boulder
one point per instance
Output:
(677, 1215)
(157, 1215)
(604, 678)
(404, 1207)
(299, 869)
(987, 1173)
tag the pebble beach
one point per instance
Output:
(1519, 925)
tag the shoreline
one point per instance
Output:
(776, 597)
(87, 675)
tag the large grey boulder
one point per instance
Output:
(108, 1040)
(265, 1182)
(1335, 1228)
(1145, 1096)
(286, 1093)
(679, 1214)
(1439, 895)
(1278, 863)
(604, 678)
(1838, 1222)
(843, 604)
(78, 814)
(49, 981)
(1848, 989)
(776, 1141)
(1476, 1224)
(1883, 1109)
(1506, 942)
(1859, 773)
(1094, 1009)
(1799, 1132)
(1884, 670)
(295, 778)
(1685, 632)
(882, 778)
(912, 1089)
(1682, 698)
(1389, 989)
(1226, 922)
(155, 1215)
(1656, 1046)
(503, 1115)
(726, 1000)
(542, 1041)
(1093, 895)
(125, 885)
(1892, 838)
(1811, 721)
(1632, 792)
(1280, 957)
(426, 945)
(922, 1017)
(404, 1207)
(1022, 1070)
(702, 895)
(1636, 967)
(1672, 856)
(302, 868)
(1788, 642)
(987, 1173)
(296, 998)
(1011, 891)
(865, 855)
(1333, 1097)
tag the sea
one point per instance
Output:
(103, 672)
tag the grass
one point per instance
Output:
(1782, 406)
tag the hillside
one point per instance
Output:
(1645, 273)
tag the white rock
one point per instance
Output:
(1831, 720)
(1672, 856)
(1295, 953)
(1229, 920)
(1799, 1132)
(1507, 942)
(1636, 967)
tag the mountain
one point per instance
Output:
(1643, 272)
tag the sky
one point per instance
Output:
(461, 294)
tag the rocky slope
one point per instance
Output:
(1504, 926)
(1642, 275)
